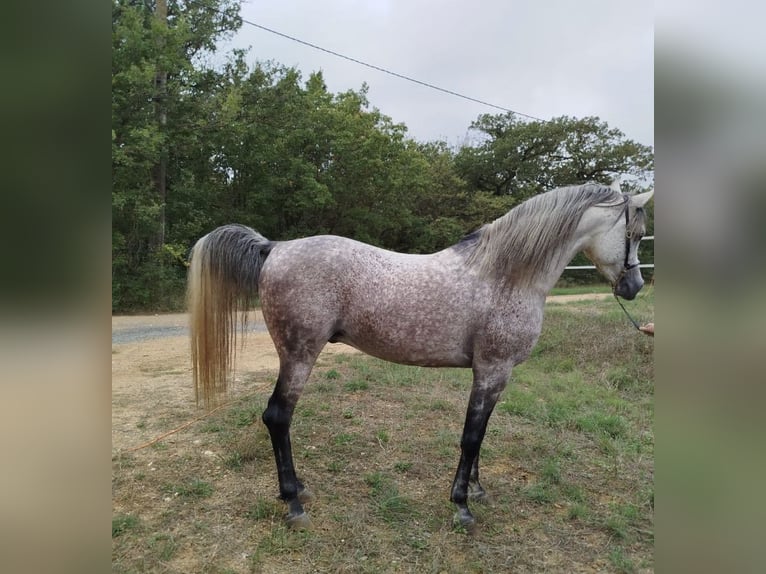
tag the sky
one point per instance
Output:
(543, 58)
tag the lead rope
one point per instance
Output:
(635, 324)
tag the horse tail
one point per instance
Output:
(222, 284)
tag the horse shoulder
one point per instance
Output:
(510, 330)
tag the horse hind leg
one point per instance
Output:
(277, 417)
(476, 492)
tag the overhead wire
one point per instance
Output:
(389, 72)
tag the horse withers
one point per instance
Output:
(476, 304)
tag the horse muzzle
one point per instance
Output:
(629, 283)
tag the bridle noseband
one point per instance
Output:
(628, 236)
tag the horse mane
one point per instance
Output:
(525, 242)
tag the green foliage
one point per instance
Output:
(195, 147)
(523, 158)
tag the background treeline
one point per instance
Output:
(197, 145)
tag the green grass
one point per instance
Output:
(541, 492)
(621, 563)
(577, 511)
(386, 501)
(191, 489)
(599, 423)
(567, 461)
(123, 523)
(264, 509)
(356, 385)
(163, 546)
(551, 471)
(344, 439)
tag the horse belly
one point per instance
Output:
(423, 343)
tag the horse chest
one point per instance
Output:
(508, 334)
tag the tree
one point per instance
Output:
(194, 147)
(521, 158)
(156, 83)
(303, 161)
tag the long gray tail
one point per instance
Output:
(222, 284)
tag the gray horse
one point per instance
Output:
(476, 304)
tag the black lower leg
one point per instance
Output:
(484, 395)
(459, 495)
(473, 434)
(277, 418)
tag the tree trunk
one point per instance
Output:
(160, 169)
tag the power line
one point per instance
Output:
(389, 72)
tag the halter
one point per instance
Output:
(628, 236)
(626, 266)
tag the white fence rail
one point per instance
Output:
(642, 266)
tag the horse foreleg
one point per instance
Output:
(277, 418)
(466, 485)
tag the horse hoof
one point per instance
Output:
(298, 521)
(463, 519)
(305, 496)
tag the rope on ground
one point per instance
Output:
(185, 425)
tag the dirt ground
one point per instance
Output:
(153, 376)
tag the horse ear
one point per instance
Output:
(615, 185)
(641, 199)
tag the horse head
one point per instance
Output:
(613, 245)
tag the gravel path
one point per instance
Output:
(137, 328)
(135, 334)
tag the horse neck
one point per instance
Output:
(546, 279)
(591, 223)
